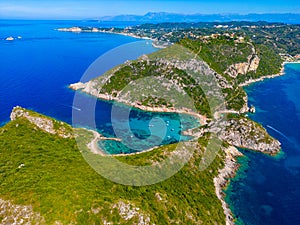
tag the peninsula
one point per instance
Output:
(231, 56)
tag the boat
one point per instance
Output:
(9, 39)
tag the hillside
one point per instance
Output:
(238, 59)
(231, 60)
(46, 176)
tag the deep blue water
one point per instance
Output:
(267, 189)
(36, 69)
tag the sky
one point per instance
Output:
(81, 9)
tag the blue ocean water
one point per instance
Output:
(37, 68)
(267, 189)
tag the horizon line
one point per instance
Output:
(158, 12)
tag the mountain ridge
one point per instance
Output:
(177, 17)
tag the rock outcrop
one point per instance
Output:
(245, 133)
(18, 214)
(128, 212)
(42, 122)
(244, 67)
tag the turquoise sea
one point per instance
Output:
(36, 70)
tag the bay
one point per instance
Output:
(37, 67)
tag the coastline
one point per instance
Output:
(294, 62)
(201, 118)
(251, 81)
(223, 179)
(124, 34)
(95, 30)
(231, 164)
(93, 145)
(221, 187)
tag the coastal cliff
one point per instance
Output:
(241, 132)
(243, 68)
(44, 123)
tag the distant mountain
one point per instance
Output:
(159, 17)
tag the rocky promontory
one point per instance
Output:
(245, 133)
(42, 122)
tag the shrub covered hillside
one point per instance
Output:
(47, 173)
(237, 59)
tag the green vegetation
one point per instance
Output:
(220, 52)
(58, 182)
(283, 38)
(141, 68)
(270, 64)
(235, 98)
(156, 102)
(223, 46)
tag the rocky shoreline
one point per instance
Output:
(43, 123)
(222, 180)
(251, 81)
(84, 87)
(231, 164)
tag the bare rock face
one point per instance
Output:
(254, 63)
(128, 212)
(245, 67)
(18, 214)
(245, 133)
(45, 124)
(77, 86)
(297, 57)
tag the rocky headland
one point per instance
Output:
(44, 123)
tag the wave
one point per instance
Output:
(277, 131)
(73, 107)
